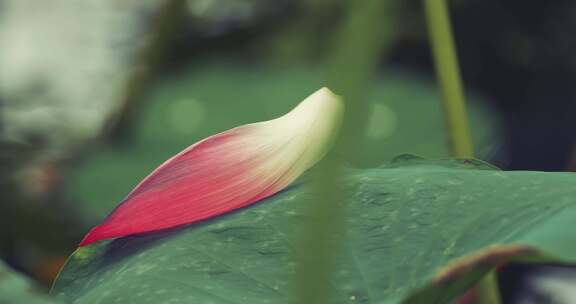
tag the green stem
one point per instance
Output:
(356, 54)
(320, 237)
(487, 289)
(165, 26)
(448, 73)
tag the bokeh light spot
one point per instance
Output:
(383, 122)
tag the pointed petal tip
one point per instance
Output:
(322, 103)
(326, 93)
(326, 90)
(88, 238)
(333, 103)
(85, 242)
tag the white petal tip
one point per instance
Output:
(325, 93)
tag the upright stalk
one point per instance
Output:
(448, 73)
(487, 289)
(163, 29)
(320, 237)
(361, 40)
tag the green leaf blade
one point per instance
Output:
(404, 224)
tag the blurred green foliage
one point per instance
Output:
(17, 289)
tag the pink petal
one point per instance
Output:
(227, 171)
